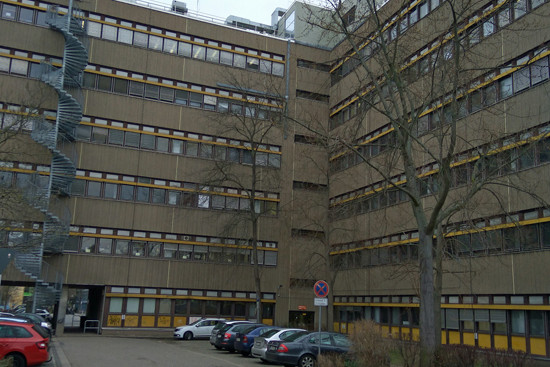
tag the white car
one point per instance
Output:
(260, 343)
(199, 329)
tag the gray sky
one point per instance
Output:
(255, 10)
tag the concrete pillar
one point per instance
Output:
(60, 327)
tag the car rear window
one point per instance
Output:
(41, 331)
(293, 337)
(270, 333)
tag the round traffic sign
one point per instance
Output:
(321, 288)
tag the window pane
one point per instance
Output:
(184, 49)
(109, 32)
(521, 79)
(199, 52)
(94, 29)
(539, 71)
(158, 196)
(125, 36)
(140, 39)
(121, 247)
(226, 58)
(87, 245)
(170, 46)
(94, 188)
(132, 305)
(26, 15)
(212, 55)
(105, 245)
(110, 190)
(155, 42)
(127, 192)
(120, 86)
(143, 194)
(19, 66)
(8, 12)
(136, 88)
(115, 305)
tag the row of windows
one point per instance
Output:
(170, 251)
(511, 322)
(217, 52)
(172, 91)
(507, 161)
(228, 254)
(392, 29)
(507, 13)
(526, 76)
(187, 307)
(179, 97)
(103, 135)
(145, 194)
(504, 163)
(527, 238)
(495, 21)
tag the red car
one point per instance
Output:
(24, 341)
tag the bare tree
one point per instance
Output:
(252, 118)
(419, 70)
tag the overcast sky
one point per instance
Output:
(255, 10)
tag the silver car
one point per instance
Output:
(199, 329)
(260, 343)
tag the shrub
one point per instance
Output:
(368, 345)
(505, 358)
(455, 355)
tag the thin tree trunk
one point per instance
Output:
(427, 305)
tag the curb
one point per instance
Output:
(59, 359)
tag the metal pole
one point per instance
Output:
(319, 352)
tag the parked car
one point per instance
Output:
(217, 328)
(244, 341)
(199, 329)
(301, 350)
(24, 341)
(44, 313)
(39, 320)
(260, 342)
(227, 334)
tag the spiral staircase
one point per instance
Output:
(50, 196)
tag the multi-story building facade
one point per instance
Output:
(163, 160)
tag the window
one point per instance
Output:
(199, 52)
(94, 189)
(87, 245)
(184, 49)
(505, 87)
(125, 36)
(105, 245)
(8, 11)
(521, 79)
(132, 305)
(121, 247)
(536, 323)
(155, 42)
(212, 55)
(518, 322)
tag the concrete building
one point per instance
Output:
(170, 116)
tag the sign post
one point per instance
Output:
(320, 288)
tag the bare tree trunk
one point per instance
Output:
(428, 338)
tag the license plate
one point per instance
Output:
(272, 347)
(238, 339)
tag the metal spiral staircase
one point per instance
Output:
(48, 196)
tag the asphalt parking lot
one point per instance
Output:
(85, 350)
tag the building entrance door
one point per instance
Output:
(302, 319)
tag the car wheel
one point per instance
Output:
(188, 335)
(306, 361)
(18, 360)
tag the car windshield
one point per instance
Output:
(295, 336)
